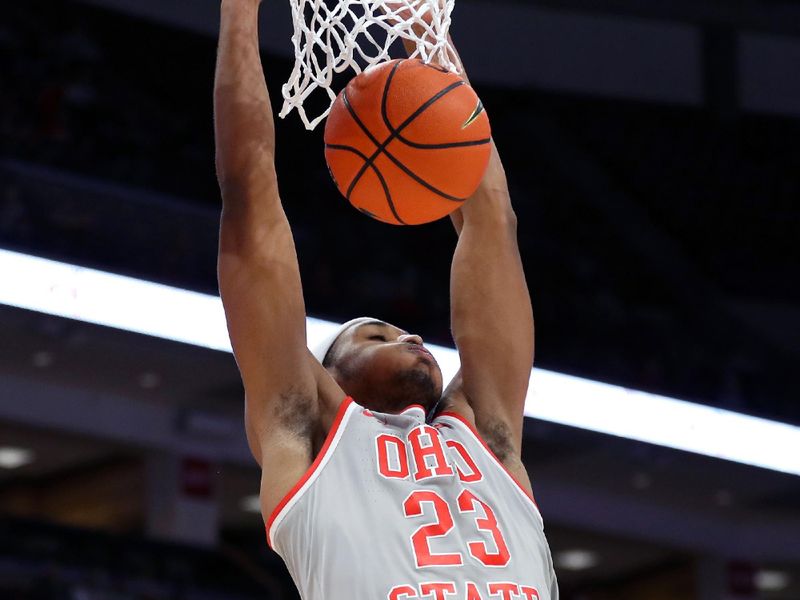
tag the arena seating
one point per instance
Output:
(47, 562)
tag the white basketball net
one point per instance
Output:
(331, 36)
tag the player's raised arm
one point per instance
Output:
(258, 272)
(491, 314)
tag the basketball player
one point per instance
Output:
(376, 484)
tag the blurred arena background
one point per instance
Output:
(653, 153)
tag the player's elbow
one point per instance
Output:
(503, 219)
(232, 187)
(491, 209)
(510, 219)
(230, 176)
(243, 181)
(236, 171)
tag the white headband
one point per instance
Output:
(321, 350)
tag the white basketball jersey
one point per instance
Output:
(394, 508)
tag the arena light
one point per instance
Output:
(250, 504)
(14, 458)
(134, 305)
(772, 581)
(106, 299)
(576, 560)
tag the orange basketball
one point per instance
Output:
(406, 142)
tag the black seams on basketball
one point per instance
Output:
(407, 143)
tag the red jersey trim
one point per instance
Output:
(412, 406)
(321, 456)
(478, 437)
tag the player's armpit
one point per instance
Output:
(491, 426)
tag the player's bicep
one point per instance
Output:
(261, 291)
(492, 323)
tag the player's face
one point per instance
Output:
(386, 368)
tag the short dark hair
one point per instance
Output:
(327, 361)
(331, 353)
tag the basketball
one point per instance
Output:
(407, 143)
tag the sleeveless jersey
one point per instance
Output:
(395, 508)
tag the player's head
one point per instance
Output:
(382, 366)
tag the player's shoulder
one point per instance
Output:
(488, 428)
(488, 431)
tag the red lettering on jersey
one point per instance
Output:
(434, 449)
(504, 588)
(402, 590)
(412, 507)
(438, 589)
(474, 473)
(468, 502)
(529, 593)
(384, 443)
(472, 592)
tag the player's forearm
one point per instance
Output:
(243, 121)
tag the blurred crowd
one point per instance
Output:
(80, 92)
(106, 145)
